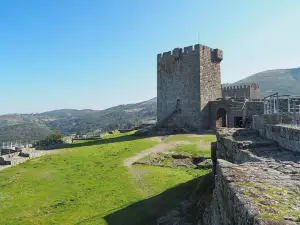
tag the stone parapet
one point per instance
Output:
(256, 180)
(253, 194)
(259, 122)
(278, 128)
(287, 136)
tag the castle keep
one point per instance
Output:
(187, 79)
(189, 93)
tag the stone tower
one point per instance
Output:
(187, 79)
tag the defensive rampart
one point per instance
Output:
(256, 181)
(278, 128)
(242, 91)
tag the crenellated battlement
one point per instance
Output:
(189, 50)
(249, 91)
(239, 87)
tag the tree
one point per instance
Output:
(55, 137)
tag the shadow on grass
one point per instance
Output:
(103, 141)
(131, 137)
(146, 212)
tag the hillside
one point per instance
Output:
(284, 81)
(24, 132)
(36, 126)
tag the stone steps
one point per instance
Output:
(166, 118)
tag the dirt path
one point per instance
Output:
(162, 147)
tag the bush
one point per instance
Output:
(55, 137)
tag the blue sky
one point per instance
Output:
(97, 54)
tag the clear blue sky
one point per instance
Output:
(97, 54)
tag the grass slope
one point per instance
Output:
(88, 184)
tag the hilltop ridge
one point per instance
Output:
(73, 121)
(284, 81)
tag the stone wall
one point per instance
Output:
(14, 159)
(210, 80)
(235, 109)
(253, 108)
(5, 159)
(242, 91)
(190, 76)
(255, 181)
(214, 107)
(50, 147)
(242, 196)
(286, 136)
(232, 150)
(278, 128)
(259, 122)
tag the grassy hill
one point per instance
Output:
(284, 81)
(87, 183)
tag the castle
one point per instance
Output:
(189, 92)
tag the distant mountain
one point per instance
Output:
(23, 132)
(37, 126)
(284, 81)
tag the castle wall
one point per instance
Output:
(247, 168)
(192, 75)
(210, 80)
(253, 108)
(242, 91)
(278, 128)
(259, 122)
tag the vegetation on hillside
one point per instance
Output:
(69, 121)
(24, 132)
(284, 81)
(88, 183)
(54, 137)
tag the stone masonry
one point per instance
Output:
(187, 78)
(243, 91)
(256, 181)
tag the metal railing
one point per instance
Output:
(284, 105)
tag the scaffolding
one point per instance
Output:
(283, 104)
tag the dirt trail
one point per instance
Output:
(162, 147)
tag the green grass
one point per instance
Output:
(191, 150)
(88, 184)
(205, 138)
(198, 145)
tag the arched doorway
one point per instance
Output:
(221, 118)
